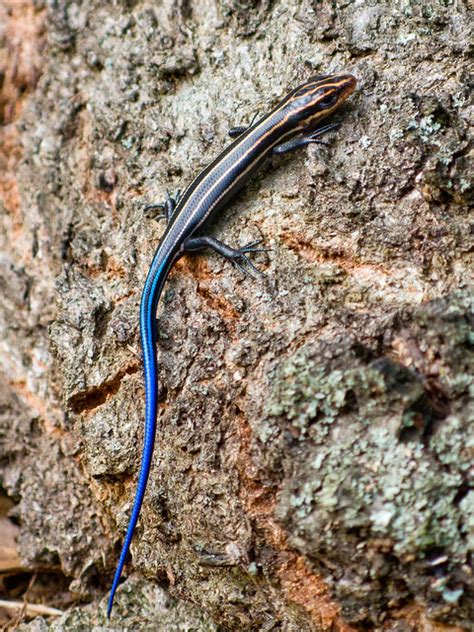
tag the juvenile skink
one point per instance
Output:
(294, 122)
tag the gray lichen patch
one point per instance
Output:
(139, 605)
(384, 466)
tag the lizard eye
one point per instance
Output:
(328, 100)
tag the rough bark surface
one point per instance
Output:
(313, 469)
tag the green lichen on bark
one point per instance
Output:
(142, 606)
(385, 462)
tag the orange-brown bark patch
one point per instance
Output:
(22, 33)
(36, 404)
(310, 591)
(338, 255)
(198, 268)
(300, 584)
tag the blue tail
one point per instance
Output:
(150, 296)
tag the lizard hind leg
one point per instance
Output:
(237, 256)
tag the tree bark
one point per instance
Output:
(313, 466)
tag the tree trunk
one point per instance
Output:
(313, 466)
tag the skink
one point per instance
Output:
(294, 122)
